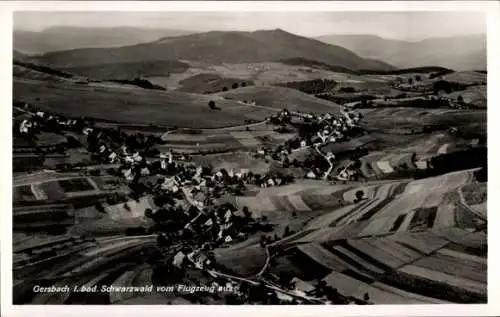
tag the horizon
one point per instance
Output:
(251, 31)
(403, 26)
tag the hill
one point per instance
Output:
(210, 83)
(279, 98)
(216, 47)
(128, 69)
(458, 53)
(135, 105)
(67, 38)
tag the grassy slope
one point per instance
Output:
(280, 98)
(129, 70)
(208, 83)
(135, 105)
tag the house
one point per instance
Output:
(208, 223)
(128, 174)
(301, 287)
(87, 131)
(311, 175)
(128, 159)
(179, 259)
(112, 157)
(145, 171)
(137, 157)
(170, 184)
(124, 150)
(228, 215)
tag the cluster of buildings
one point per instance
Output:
(327, 129)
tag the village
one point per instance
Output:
(190, 210)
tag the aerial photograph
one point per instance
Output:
(249, 158)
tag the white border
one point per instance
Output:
(6, 9)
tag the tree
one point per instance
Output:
(460, 99)
(418, 78)
(243, 84)
(410, 81)
(246, 212)
(224, 88)
(359, 195)
(211, 104)
(148, 213)
(287, 231)
(235, 85)
(100, 208)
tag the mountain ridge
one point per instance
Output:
(218, 47)
(68, 37)
(457, 52)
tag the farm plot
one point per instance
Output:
(422, 282)
(475, 95)
(279, 98)
(136, 105)
(52, 190)
(324, 220)
(345, 284)
(423, 218)
(75, 185)
(368, 268)
(466, 77)
(414, 119)
(426, 193)
(474, 193)
(454, 266)
(194, 143)
(244, 260)
(386, 253)
(310, 268)
(23, 193)
(384, 294)
(445, 216)
(444, 278)
(423, 242)
(465, 218)
(233, 161)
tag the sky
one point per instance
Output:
(411, 26)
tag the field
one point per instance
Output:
(475, 95)
(264, 73)
(280, 98)
(466, 77)
(411, 120)
(209, 83)
(136, 105)
(394, 155)
(232, 161)
(55, 186)
(401, 238)
(247, 137)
